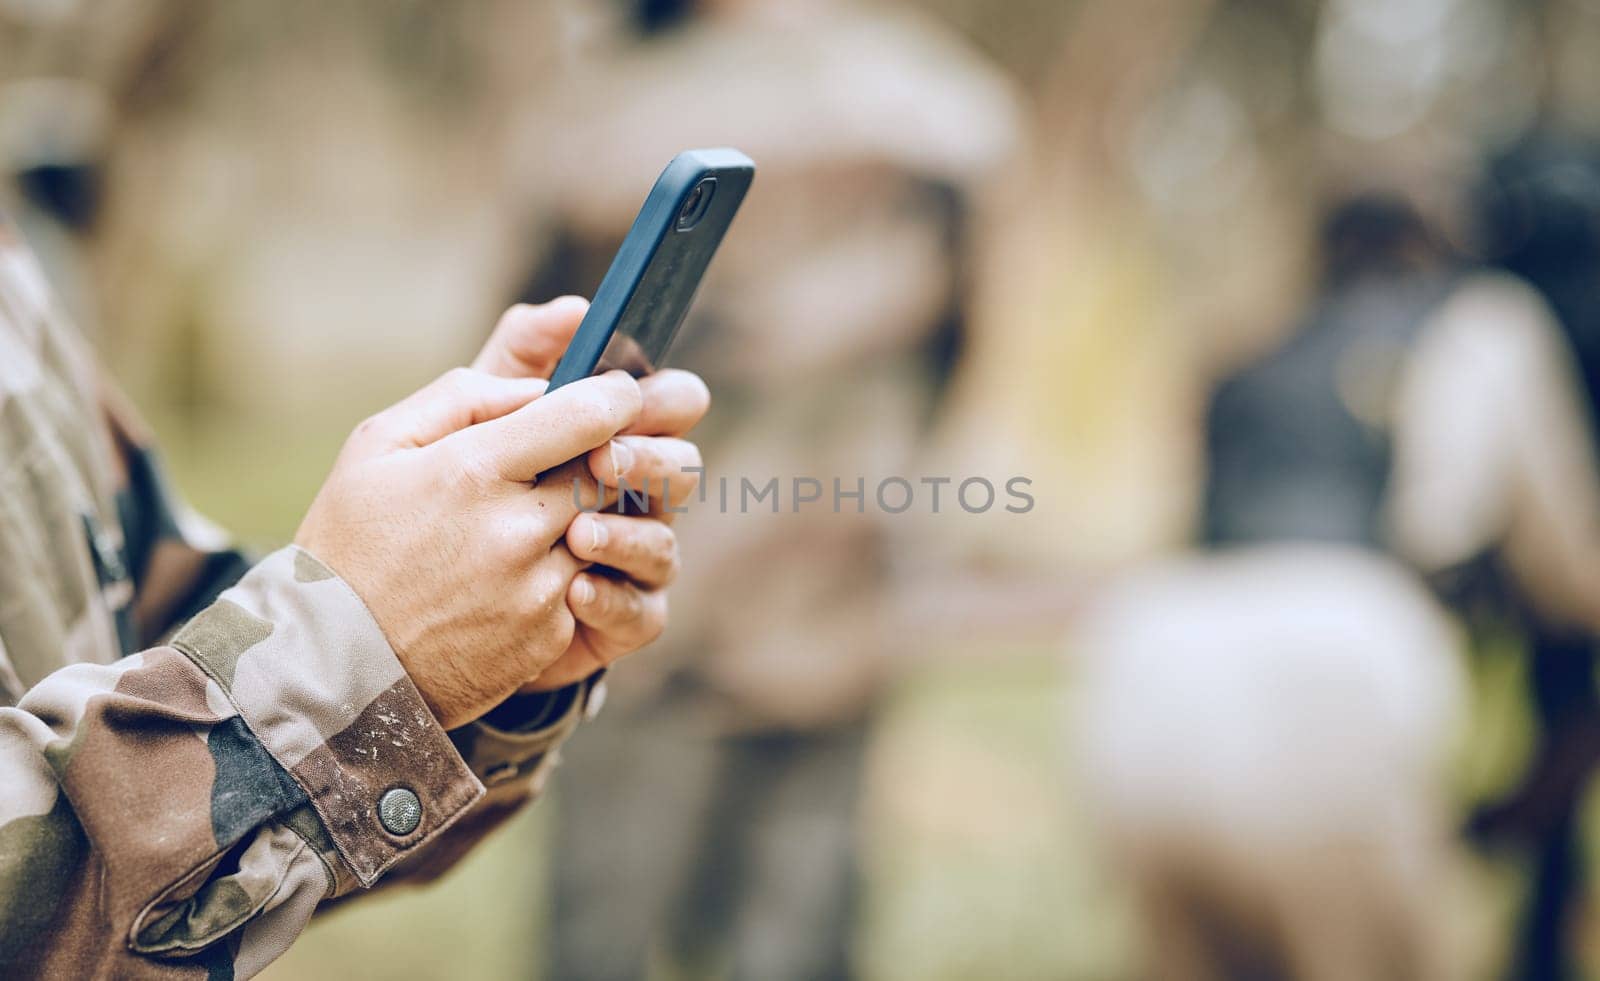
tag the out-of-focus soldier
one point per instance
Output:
(829, 323)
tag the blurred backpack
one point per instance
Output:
(1297, 444)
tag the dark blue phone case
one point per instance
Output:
(647, 291)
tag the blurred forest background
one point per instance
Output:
(307, 210)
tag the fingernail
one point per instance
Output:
(583, 590)
(599, 534)
(621, 458)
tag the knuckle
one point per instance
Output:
(686, 480)
(683, 476)
(550, 590)
(457, 382)
(650, 455)
(468, 466)
(369, 430)
(506, 322)
(543, 598)
(656, 623)
(536, 611)
(693, 391)
(540, 531)
(657, 542)
(702, 394)
(674, 562)
(563, 628)
(630, 604)
(601, 608)
(623, 394)
(622, 401)
(530, 660)
(690, 459)
(516, 314)
(654, 633)
(606, 406)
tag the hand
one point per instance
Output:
(622, 606)
(430, 517)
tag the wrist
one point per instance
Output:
(535, 710)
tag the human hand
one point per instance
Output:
(431, 515)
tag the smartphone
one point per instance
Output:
(644, 296)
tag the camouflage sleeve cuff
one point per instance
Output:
(520, 736)
(314, 678)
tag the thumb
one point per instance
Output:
(459, 398)
(529, 340)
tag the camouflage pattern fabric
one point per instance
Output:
(182, 809)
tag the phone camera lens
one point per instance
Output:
(695, 205)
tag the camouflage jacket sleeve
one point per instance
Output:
(184, 809)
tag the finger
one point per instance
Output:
(613, 618)
(530, 339)
(625, 616)
(454, 401)
(661, 467)
(555, 428)
(674, 402)
(564, 492)
(643, 549)
(550, 625)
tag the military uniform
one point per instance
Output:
(195, 752)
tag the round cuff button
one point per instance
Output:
(400, 811)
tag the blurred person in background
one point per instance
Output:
(1304, 684)
(1264, 727)
(368, 707)
(716, 819)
